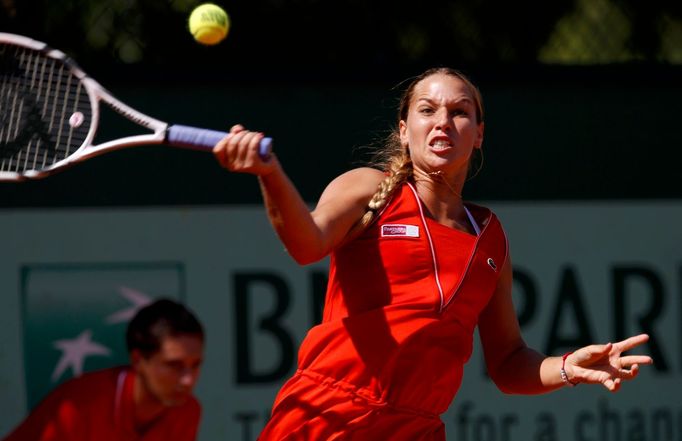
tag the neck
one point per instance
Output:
(442, 199)
(438, 184)
(147, 407)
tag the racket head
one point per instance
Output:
(47, 112)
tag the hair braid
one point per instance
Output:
(399, 169)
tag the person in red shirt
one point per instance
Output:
(149, 400)
(414, 269)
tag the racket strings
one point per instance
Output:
(45, 110)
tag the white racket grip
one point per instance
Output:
(205, 139)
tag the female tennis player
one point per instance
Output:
(413, 270)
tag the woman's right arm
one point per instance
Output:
(308, 236)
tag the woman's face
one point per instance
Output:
(441, 129)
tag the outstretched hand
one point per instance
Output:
(605, 364)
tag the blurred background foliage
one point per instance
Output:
(598, 81)
(357, 36)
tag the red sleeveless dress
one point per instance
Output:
(401, 306)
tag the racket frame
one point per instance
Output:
(97, 95)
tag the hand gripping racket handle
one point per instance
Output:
(204, 139)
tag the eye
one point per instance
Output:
(175, 366)
(425, 110)
(459, 112)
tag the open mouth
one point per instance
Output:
(441, 144)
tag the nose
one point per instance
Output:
(188, 378)
(442, 119)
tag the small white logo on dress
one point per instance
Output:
(398, 230)
(491, 262)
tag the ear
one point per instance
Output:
(403, 133)
(135, 358)
(479, 136)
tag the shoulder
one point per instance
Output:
(100, 377)
(360, 177)
(356, 184)
(192, 406)
(494, 236)
(90, 386)
(69, 403)
(482, 215)
(186, 415)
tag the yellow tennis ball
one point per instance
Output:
(209, 24)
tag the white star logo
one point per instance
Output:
(138, 299)
(74, 353)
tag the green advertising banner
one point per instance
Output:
(583, 272)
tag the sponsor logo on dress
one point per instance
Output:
(399, 230)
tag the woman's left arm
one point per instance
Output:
(517, 369)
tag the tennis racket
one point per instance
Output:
(50, 110)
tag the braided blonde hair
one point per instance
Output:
(398, 166)
(394, 158)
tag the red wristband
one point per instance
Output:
(562, 371)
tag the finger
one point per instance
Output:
(630, 360)
(609, 384)
(628, 374)
(245, 147)
(616, 384)
(219, 151)
(235, 143)
(236, 128)
(632, 342)
(612, 383)
(235, 137)
(218, 148)
(254, 145)
(220, 145)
